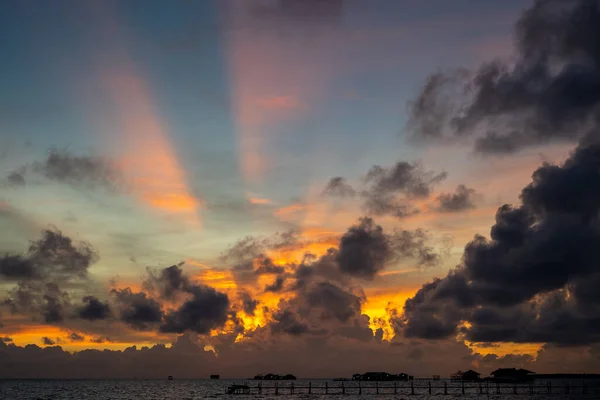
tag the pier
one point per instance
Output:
(422, 388)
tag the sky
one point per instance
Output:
(240, 187)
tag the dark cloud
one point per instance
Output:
(168, 281)
(206, 310)
(462, 199)
(267, 267)
(335, 302)
(39, 299)
(47, 341)
(50, 262)
(339, 187)
(249, 255)
(551, 92)
(365, 249)
(93, 309)
(285, 321)
(6, 339)
(324, 268)
(248, 303)
(389, 189)
(53, 256)
(533, 280)
(82, 171)
(277, 285)
(137, 309)
(76, 337)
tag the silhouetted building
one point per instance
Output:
(470, 375)
(512, 375)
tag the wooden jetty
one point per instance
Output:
(421, 388)
(238, 389)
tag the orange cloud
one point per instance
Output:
(146, 154)
(502, 349)
(28, 334)
(291, 209)
(259, 200)
(191, 261)
(149, 159)
(219, 279)
(269, 74)
(378, 304)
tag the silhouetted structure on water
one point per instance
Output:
(274, 377)
(215, 377)
(512, 375)
(381, 376)
(469, 375)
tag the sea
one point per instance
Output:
(217, 389)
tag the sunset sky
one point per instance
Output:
(241, 186)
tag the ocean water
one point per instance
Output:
(204, 389)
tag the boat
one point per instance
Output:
(238, 389)
(340, 379)
(170, 377)
(215, 377)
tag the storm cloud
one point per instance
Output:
(137, 309)
(551, 92)
(206, 310)
(93, 309)
(531, 281)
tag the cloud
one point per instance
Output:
(339, 187)
(47, 341)
(168, 281)
(76, 337)
(137, 309)
(462, 199)
(206, 310)
(53, 256)
(248, 303)
(365, 249)
(259, 200)
(390, 190)
(6, 339)
(94, 309)
(50, 262)
(335, 302)
(277, 285)
(550, 93)
(285, 321)
(385, 184)
(532, 280)
(16, 178)
(79, 171)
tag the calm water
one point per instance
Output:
(201, 389)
